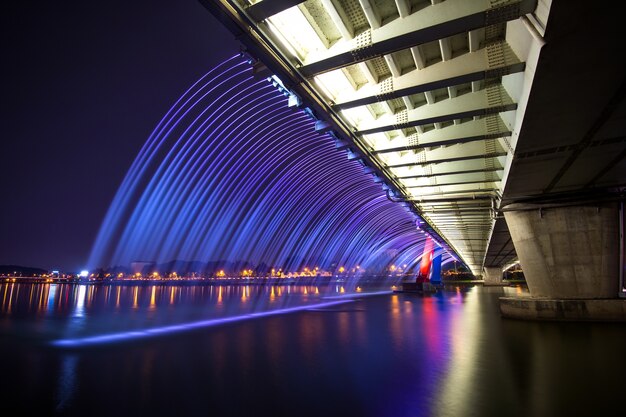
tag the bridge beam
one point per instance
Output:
(443, 174)
(446, 19)
(441, 153)
(450, 159)
(452, 179)
(471, 131)
(448, 167)
(466, 68)
(484, 102)
(486, 181)
(457, 192)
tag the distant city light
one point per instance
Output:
(84, 273)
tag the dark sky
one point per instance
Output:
(84, 84)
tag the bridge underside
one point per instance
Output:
(573, 138)
(462, 109)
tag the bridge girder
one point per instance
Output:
(426, 93)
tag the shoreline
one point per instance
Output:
(231, 281)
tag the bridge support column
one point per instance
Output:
(492, 275)
(570, 258)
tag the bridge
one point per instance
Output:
(500, 123)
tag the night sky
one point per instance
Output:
(84, 84)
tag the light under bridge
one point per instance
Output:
(500, 123)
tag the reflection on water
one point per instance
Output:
(67, 382)
(445, 354)
(80, 300)
(78, 311)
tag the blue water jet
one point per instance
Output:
(232, 174)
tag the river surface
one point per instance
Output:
(209, 350)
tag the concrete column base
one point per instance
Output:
(568, 252)
(527, 308)
(492, 276)
(570, 258)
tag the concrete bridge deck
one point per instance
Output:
(500, 124)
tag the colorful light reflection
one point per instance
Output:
(165, 330)
(232, 173)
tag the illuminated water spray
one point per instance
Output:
(233, 174)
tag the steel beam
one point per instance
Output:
(447, 19)
(448, 179)
(475, 225)
(472, 131)
(447, 167)
(480, 103)
(478, 214)
(443, 154)
(459, 199)
(472, 192)
(440, 75)
(475, 221)
(459, 209)
(485, 181)
(460, 212)
(442, 174)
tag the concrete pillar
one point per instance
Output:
(568, 252)
(492, 275)
(570, 258)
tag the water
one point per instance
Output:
(234, 178)
(448, 354)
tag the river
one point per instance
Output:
(250, 350)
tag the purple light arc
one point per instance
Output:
(232, 173)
